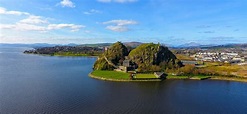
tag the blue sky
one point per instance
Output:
(172, 22)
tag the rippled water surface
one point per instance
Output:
(45, 84)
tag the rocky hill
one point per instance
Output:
(112, 57)
(153, 57)
(148, 57)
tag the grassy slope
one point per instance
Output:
(184, 57)
(236, 70)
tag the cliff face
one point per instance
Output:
(112, 57)
(148, 57)
(153, 57)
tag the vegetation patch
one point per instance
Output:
(239, 79)
(177, 77)
(145, 76)
(184, 57)
(111, 74)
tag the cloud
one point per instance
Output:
(203, 26)
(119, 25)
(117, 28)
(34, 20)
(23, 27)
(117, 1)
(73, 27)
(4, 11)
(35, 23)
(67, 3)
(33, 27)
(92, 11)
(121, 22)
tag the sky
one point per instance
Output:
(171, 22)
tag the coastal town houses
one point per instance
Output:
(226, 57)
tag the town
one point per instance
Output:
(224, 55)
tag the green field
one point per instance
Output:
(111, 74)
(145, 76)
(177, 77)
(125, 76)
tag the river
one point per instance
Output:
(50, 84)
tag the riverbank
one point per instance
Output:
(121, 76)
(117, 76)
(119, 80)
(124, 77)
(64, 55)
(229, 79)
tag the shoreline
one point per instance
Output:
(62, 55)
(159, 80)
(120, 80)
(229, 79)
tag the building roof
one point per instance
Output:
(158, 74)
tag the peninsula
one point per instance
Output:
(67, 51)
(136, 61)
(151, 62)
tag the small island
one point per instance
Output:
(147, 62)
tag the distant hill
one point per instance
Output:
(95, 45)
(127, 44)
(229, 46)
(192, 45)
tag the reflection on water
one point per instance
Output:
(45, 84)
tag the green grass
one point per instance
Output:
(111, 74)
(74, 54)
(201, 77)
(177, 77)
(184, 57)
(145, 76)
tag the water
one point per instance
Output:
(45, 84)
